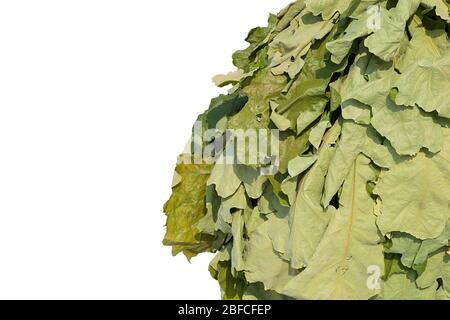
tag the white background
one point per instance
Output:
(97, 98)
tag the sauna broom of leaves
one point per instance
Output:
(359, 206)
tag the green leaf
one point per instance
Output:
(392, 265)
(424, 80)
(441, 7)
(403, 287)
(255, 291)
(438, 267)
(430, 245)
(257, 37)
(327, 8)
(434, 95)
(406, 245)
(276, 187)
(262, 263)
(385, 42)
(289, 46)
(253, 181)
(291, 146)
(300, 164)
(306, 99)
(237, 252)
(232, 287)
(318, 131)
(307, 218)
(225, 179)
(221, 107)
(185, 208)
(355, 139)
(351, 244)
(413, 201)
(341, 47)
(407, 128)
(234, 77)
(256, 113)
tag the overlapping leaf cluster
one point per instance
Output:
(360, 90)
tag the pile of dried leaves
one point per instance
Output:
(358, 205)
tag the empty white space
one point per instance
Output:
(97, 98)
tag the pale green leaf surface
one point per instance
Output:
(327, 8)
(301, 163)
(355, 139)
(229, 78)
(237, 251)
(289, 46)
(255, 291)
(256, 113)
(317, 132)
(406, 245)
(289, 188)
(407, 128)
(224, 177)
(307, 218)
(252, 219)
(350, 245)
(430, 245)
(403, 287)
(412, 197)
(252, 179)
(441, 7)
(427, 84)
(385, 41)
(340, 47)
(438, 267)
(262, 263)
(415, 251)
